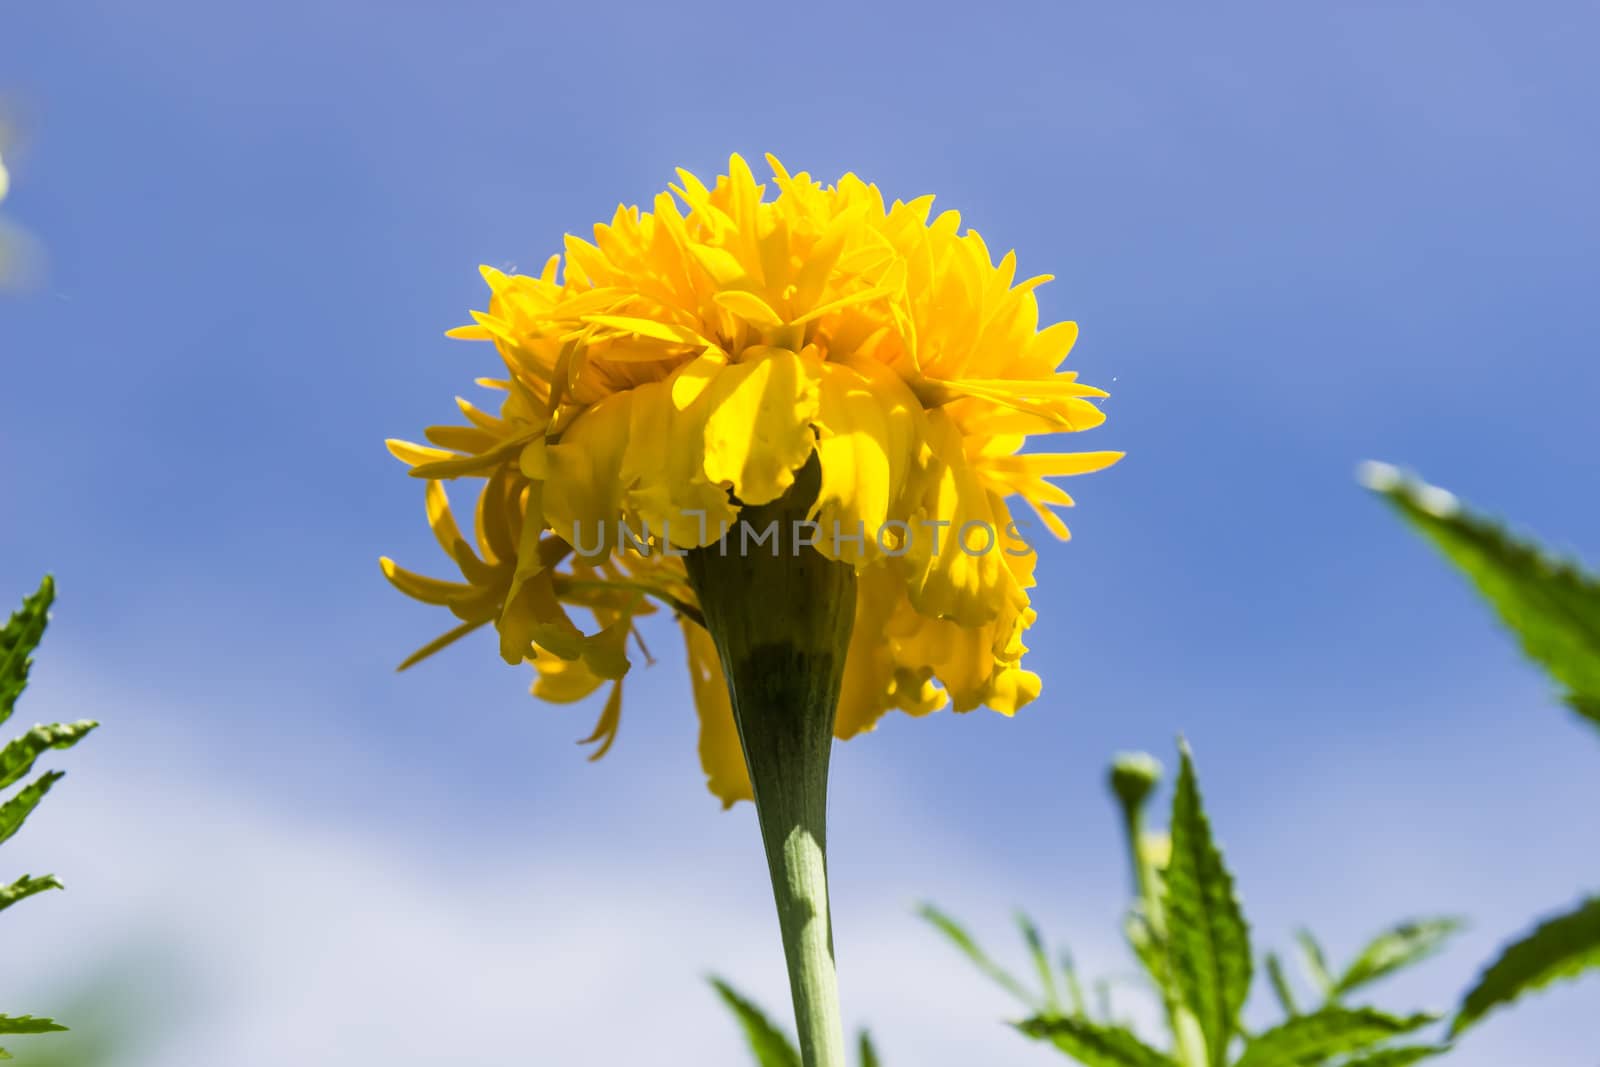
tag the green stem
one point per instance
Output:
(781, 619)
(1133, 790)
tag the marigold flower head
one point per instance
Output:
(685, 366)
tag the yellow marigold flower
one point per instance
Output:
(685, 367)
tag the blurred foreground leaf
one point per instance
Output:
(1396, 949)
(25, 1024)
(1324, 1034)
(1558, 948)
(770, 1045)
(958, 936)
(25, 887)
(1093, 1044)
(1552, 605)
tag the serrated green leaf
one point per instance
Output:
(1562, 947)
(1395, 949)
(1093, 1044)
(1280, 985)
(1041, 962)
(771, 1047)
(1315, 961)
(17, 642)
(1333, 1031)
(1400, 1056)
(868, 1054)
(958, 936)
(1552, 605)
(1207, 936)
(17, 809)
(25, 887)
(18, 757)
(28, 1024)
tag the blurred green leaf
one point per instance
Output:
(962, 940)
(869, 1054)
(1147, 946)
(1395, 949)
(27, 1024)
(1041, 962)
(17, 758)
(25, 887)
(772, 1048)
(1315, 961)
(14, 811)
(1552, 605)
(1558, 948)
(1069, 970)
(1400, 1056)
(1093, 1044)
(1280, 985)
(17, 642)
(1308, 1039)
(1208, 938)
(1586, 707)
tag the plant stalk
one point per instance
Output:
(781, 619)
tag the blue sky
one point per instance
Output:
(1293, 238)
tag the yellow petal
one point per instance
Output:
(759, 430)
(720, 754)
(420, 587)
(605, 731)
(563, 681)
(583, 491)
(444, 640)
(750, 307)
(652, 328)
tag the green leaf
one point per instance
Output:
(1588, 708)
(1396, 949)
(17, 758)
(15, 810)
(1562, 947)
(1308, 1039)
(1094, 1045)
(28, 1024)
(1041, 962)
(1206, 931)
(1147, 946)
(772, 1048)
(1400, 1056)
(1316, 962)
(17, 642)
(1280, 985)
(1069, 969)
(25, 887)
(1550, 604)
(962, 940)
(869, 1055)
